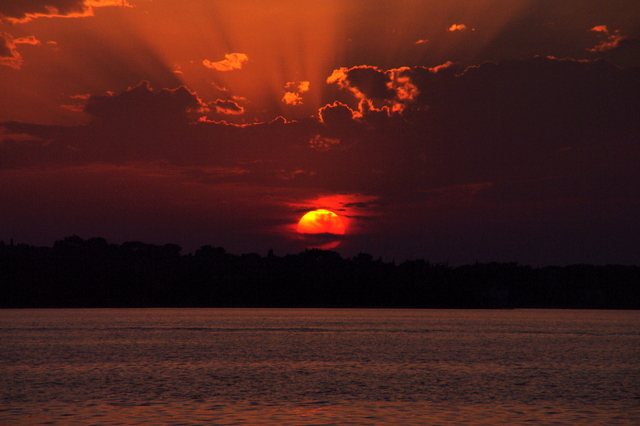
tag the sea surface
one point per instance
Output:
(319, 366)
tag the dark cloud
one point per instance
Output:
(20, 10)
(336, 115)
(9, 55)
(39, 131)
(322, 143)
(363, 81)
(396, 87)
(570, 127)
(369, 81)
(360, 205)
(227, 107)
(24, 145)
(143, 105)
(6, 46)
(139, 124)
(25, 10)
(552, 95)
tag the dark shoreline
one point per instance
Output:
(77, 273)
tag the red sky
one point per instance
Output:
(460, 131)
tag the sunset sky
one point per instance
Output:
(458, 130)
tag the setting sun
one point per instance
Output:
(321, 222)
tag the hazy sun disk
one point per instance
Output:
(321, 222)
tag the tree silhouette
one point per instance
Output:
(93, 273)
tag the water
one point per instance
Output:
(319, 366)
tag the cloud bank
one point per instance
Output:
(17, 12)
(525, 150)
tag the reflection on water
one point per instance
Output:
(318, 413)
(278, 366)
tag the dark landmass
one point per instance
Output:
(78, 273)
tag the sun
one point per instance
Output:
(321, 221)
(321, 229)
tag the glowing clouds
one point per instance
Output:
(293, 94)
(232, 61)
(336, 114)
(28, 40)
(9, 54)
(303, 86)
(457, 27)
(291, 98)
(402, 85)
(395, 87)
(613, 39)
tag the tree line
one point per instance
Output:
(94, 273)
